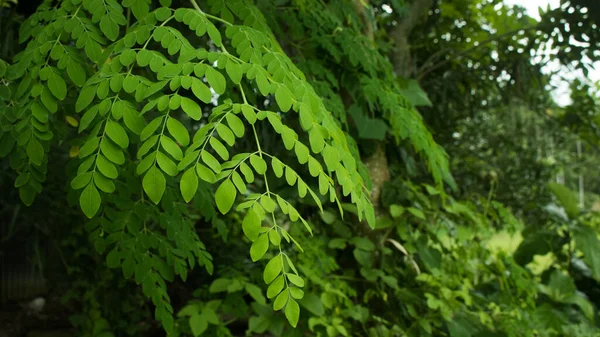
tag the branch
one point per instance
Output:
(424, 71)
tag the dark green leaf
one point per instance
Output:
(154, 184)
(90, 201)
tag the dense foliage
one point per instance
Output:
(298, 168)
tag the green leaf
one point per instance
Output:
(109, 27)
(198, 324)
(302, 152)
(35, 152)
(251, 225)
(226, 134)
(214, 34)
(87, 118)
(363, 243)
(86, 96)
(171, 147)
(249, 114)
(106, 167)
(216, 80)
(236, 125)
(415, 95)
(139, 8)
(219, 285)
(259, 248)
(292, 312)
(57, 85)
(146, 146)
(103, 183)
(416, 212)
(117, 134)
(76, 73)
(89, 200)
(247, 172)
(211, 161)
(151, 128)
(331, 157)
(587, 241)
(225, 196)
(189, 184)
(276, 286)
(113, 259)
(284, 98)
(313, 304)
(89, 147)
(191, 108)
(273, 269)
(268, 204)
(263, 84)
(178, 131)
(281, 300)
(277, 167)
(255, 293)
(234, 71)
(154, 184)
(290, 176)
(205, 173)
(219, 148)
(133, 120)
(295, 279)
(566, 198)
(274, 237)
(80, 181)
(202, 91)
(368, 128)
(260, 166)
(93, 50)
(166, 164)
(296, 292)
(317, 142)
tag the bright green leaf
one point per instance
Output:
(284, 98)
(117, 134)
(188, 184)
(273, 269)
(225, 196)
(259, 247)
(191, 108)
(216, 80)
(292, 312)
(178, 131)
(251, 225)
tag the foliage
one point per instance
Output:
(158, 142)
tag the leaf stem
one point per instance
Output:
(208, 15)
